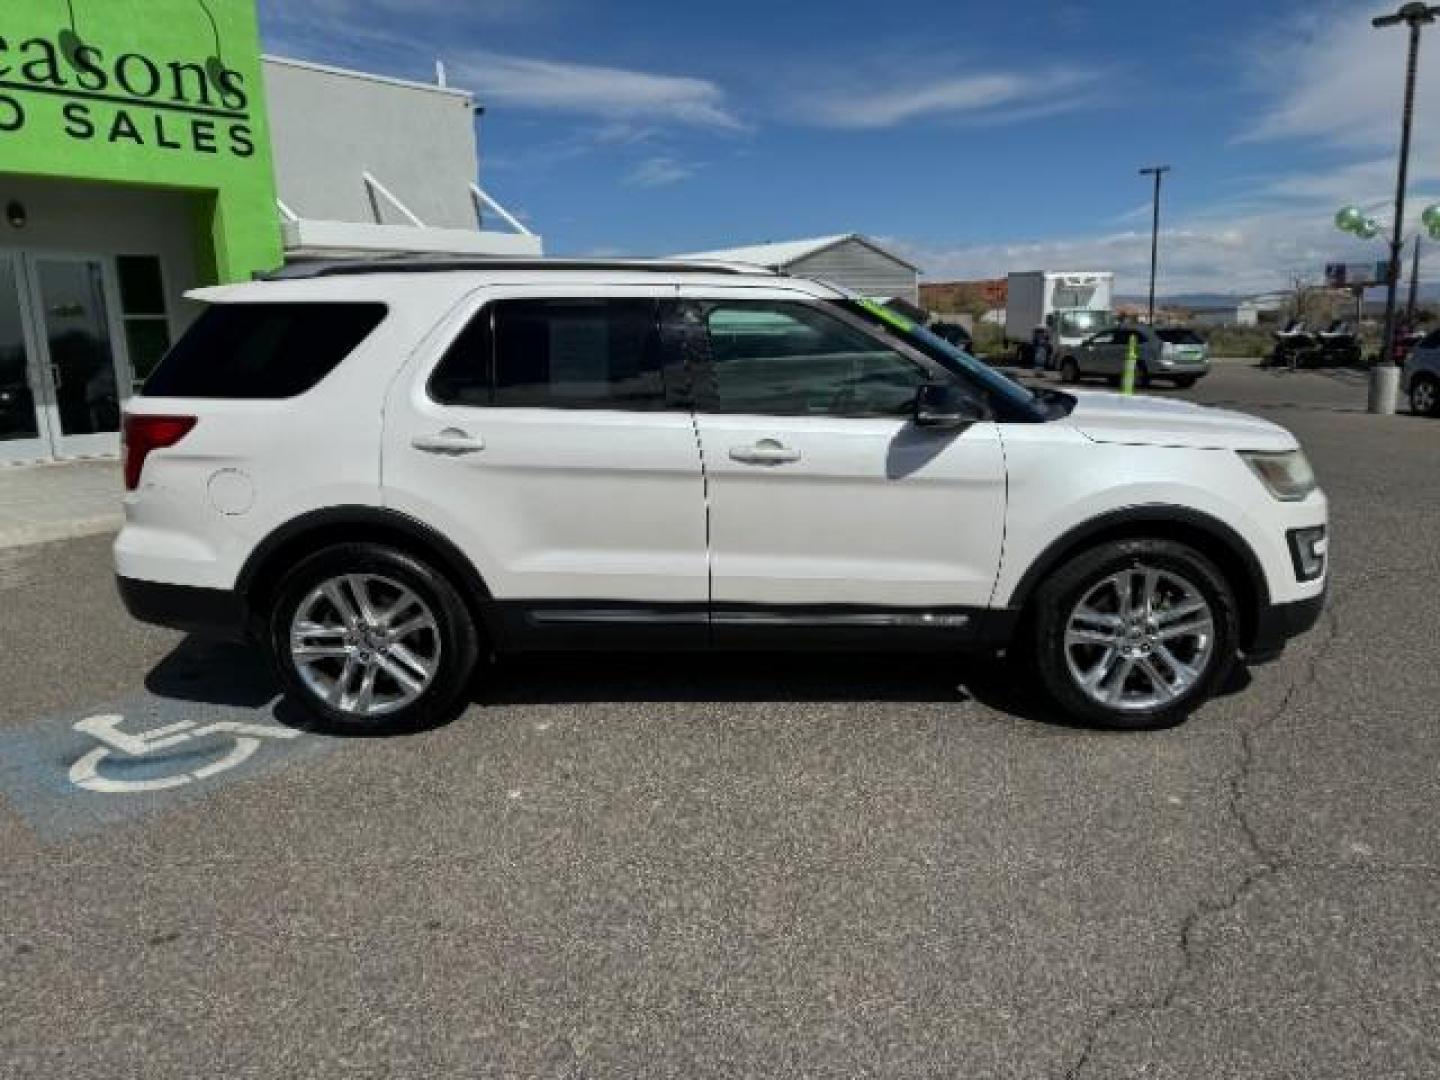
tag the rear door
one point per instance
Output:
(830, 511)
(542, 436)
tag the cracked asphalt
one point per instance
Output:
(759, 866)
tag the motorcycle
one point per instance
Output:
(1339, 346)
(1291, 343)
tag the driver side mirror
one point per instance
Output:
(943, 405)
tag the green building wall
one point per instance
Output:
(159, 93)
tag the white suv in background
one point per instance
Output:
(384, 471)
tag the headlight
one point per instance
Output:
(1288, 475)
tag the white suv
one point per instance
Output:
(384, 471)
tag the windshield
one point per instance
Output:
(950, 357)
(1082, 323)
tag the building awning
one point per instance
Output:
(308, 238)
(336, 239)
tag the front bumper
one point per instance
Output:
(214, 613)
(1276, 624)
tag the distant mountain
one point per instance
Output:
(1429, 292)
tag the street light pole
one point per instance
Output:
(1384, 377)
(1414, 304)
(1158, 172)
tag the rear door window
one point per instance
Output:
(262, 351)
(1180, 337)
(578, 354)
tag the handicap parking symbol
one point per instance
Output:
(91, 770)
(95, 770)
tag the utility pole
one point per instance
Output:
(1158, 172)
(1385, 377)
(1414, 304)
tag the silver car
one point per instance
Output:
(1421, 376)
(1174, 353)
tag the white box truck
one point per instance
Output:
(1071, 304)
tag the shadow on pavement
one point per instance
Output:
(239, 676)
(215, 673)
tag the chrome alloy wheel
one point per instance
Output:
(365, 644)
(1424, 396)
(1139, 639)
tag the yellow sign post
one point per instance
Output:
(1132, 360)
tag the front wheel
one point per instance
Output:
(1135, 634)
(1425, 396)
(1069, 370)
(371, 640)
(1185, 382)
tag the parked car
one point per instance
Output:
(1420, 377)
(1174, 353)
(955, 334)
(383, 472)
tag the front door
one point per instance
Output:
(24, 431)
(830, 510)
(82, 375)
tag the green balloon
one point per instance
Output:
(1435, 231)
(1368, 229)
(1431, 217)
(1350, 219)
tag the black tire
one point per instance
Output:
(455, 638)
(1425, 395)
(1142, 376)
(1114, 380)
(1059, 596)
(1185, 382)
(1069, 370)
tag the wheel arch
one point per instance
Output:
(311, 532)
(1210, 536)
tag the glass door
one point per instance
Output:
(84, 374)
(24, 435)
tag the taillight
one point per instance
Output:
(146, 433)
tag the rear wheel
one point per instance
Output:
(370, 640)
(1069, 370)
(1135, 634)
(1425, 395)
(1185, 382)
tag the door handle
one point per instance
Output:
(764, 452)
(451, 441)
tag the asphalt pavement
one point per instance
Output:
(747, 866)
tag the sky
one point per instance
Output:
(972, 138)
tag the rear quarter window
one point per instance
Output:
(262, 351)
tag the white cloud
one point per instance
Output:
(590, 90)
(1340, 81)
(1246, 254)
(659, 171)
(1333, 93)
(888, 99)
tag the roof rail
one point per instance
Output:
(430, 264)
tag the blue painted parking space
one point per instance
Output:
(79, 773)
